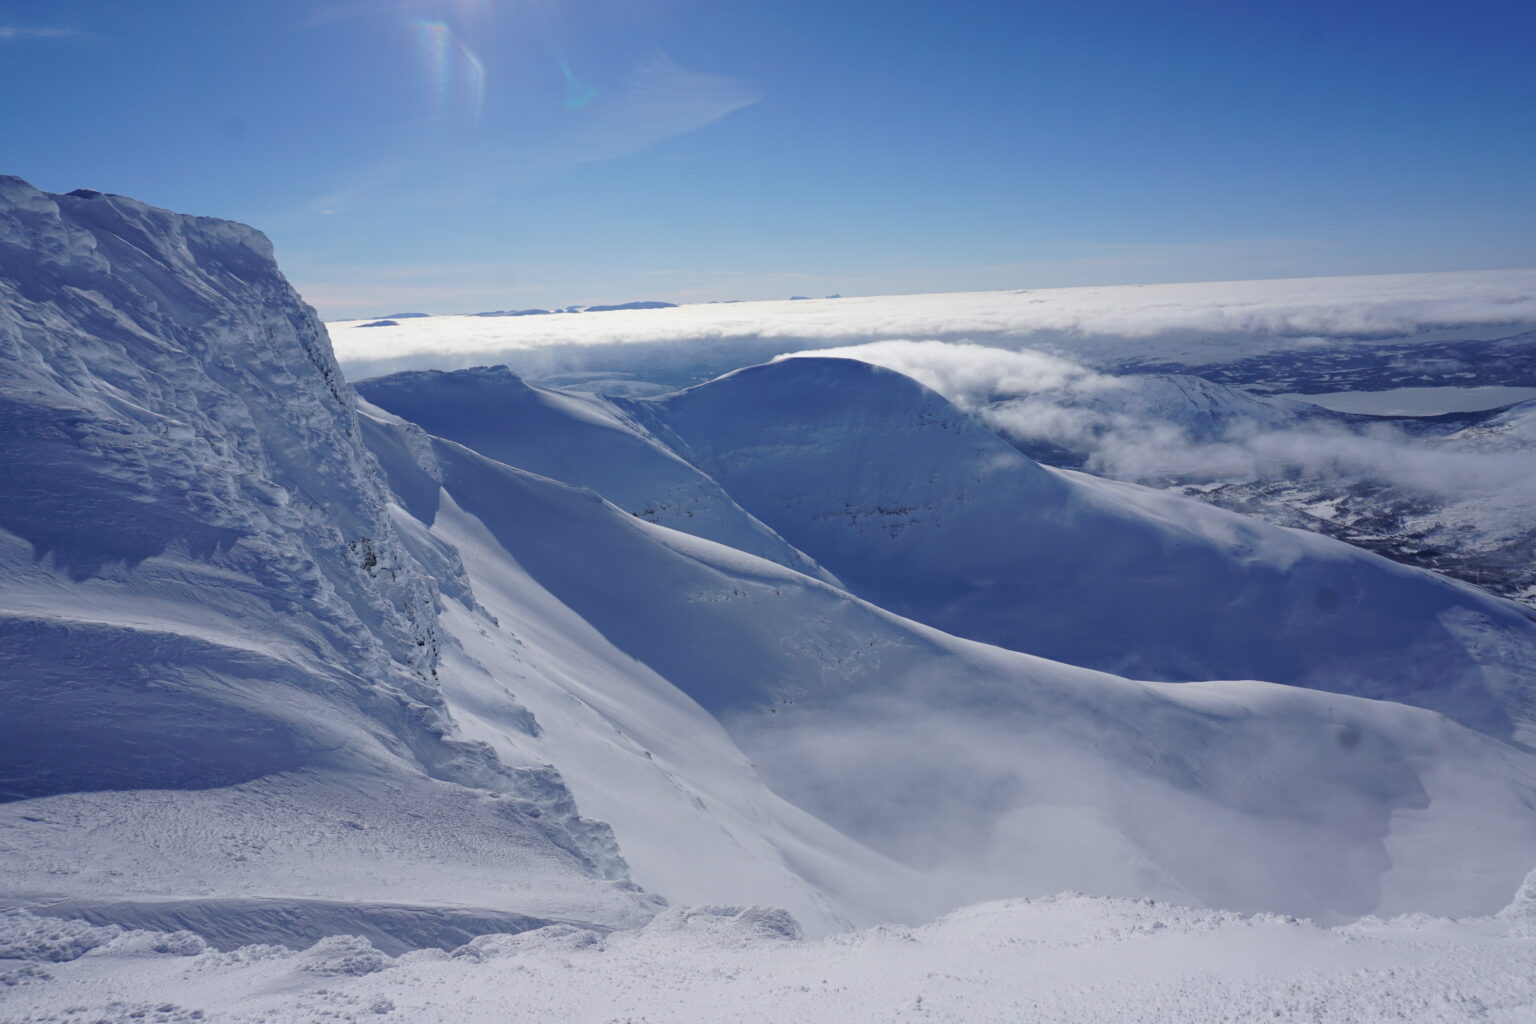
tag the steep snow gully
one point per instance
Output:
(466, 656)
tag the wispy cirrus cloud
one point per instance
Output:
(659, 100)
(14, 32)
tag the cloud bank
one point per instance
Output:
(1102, 327)
(1152, 428)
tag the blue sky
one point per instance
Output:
(462, 155)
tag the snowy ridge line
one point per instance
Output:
(579, 439)
(920, 509)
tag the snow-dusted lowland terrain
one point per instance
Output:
(806, 692)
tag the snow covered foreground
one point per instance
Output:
(1068, 958)
(280, 666)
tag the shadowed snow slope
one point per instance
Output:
(917, 507)
(581, 439)
(557, 576)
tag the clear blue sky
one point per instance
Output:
(481, 154)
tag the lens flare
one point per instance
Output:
(455, 74)
(577, 93)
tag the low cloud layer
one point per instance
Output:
(1004, 800)
(1101, 326)
(1152, 427)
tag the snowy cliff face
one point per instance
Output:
(173, 409)
(204, 585)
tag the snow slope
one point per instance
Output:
(1081, 427)
(953, 757)
(1064, 413)
(974, 569)
(1453, 493)
(919, 508)
(581, 439)
(246, 689)
(543, 672)
(1511, 429)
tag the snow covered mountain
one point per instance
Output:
(917, 507)
(1449, 493)
(851, 711)
(948, 755)
(278, 664)
(982, 565)
(219, 655)
(1069, 428)
(253, 687)
(582, 440)
(1067, 414)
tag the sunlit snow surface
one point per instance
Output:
(1089, 961)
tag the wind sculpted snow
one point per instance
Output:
(1071, 958)
(206, 601)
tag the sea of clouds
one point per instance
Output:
(1104, 327)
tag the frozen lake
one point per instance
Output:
(1419, 401)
